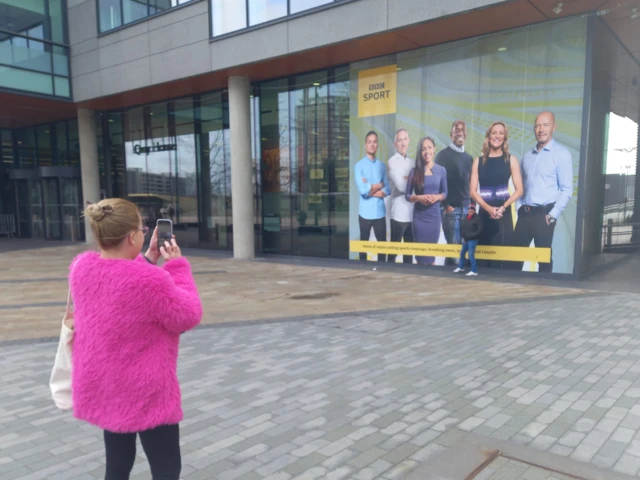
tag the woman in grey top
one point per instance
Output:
(426, 188)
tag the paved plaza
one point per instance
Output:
(381, 391)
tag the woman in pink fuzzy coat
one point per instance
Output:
(128, 317)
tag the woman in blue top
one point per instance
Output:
(426, 188)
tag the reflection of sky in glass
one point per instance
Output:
(622, 145)
(300, 5)
(186, 155)
(163, 162)
(264, 10)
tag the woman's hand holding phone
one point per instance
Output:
(153, 253)
(169, 251)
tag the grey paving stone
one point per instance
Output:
(308, 399)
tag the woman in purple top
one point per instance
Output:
(426, 188)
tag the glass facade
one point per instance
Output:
(304, 147)
(6, 163)
(233, 15)
(116, 13)
(34, 55)
(611, 224)
(173, 160)
(308, 131)
(40, 180)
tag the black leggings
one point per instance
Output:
(161, 446)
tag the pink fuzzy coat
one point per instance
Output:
(128, 316)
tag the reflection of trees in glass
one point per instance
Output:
(217, 162)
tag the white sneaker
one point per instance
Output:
(458, 270)
(472, 274)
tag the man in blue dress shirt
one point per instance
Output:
(370, 175)
(547, 174)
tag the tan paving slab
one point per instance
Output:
(233, 290)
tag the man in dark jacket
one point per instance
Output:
(470, 229)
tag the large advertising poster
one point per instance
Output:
(473, 145)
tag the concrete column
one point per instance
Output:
(88, 163)
(241, 169)
(635, 218)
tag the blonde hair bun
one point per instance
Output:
(96, 212)
(111, 220)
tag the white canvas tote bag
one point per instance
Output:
(60, 381)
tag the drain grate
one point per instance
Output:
(208, 272)
(361, 324)
(503, 467)
(314, 296)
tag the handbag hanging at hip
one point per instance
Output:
(60, 380)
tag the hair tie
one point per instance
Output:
(104, 210)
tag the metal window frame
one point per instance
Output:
(284, 18)
(47, 42)
(139, 20)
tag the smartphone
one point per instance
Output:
(165, 230)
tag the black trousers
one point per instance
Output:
(379, 226)
(400, 231)
(532, 225)
(161, 446)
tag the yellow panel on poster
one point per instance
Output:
(483, 252)
(315, 198)
(316, 174)
(324, 187)
(343, 186)
(377, 91)
(342, 172)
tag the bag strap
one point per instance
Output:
(68, 311)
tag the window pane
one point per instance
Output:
(23, 53)
(261, 11)
(310, 165)
(110, 14)
(74, 143)
(228, 16)
(186, 205)
(156, 6)
(275, 167)
(57, 21)
(339, 99)
(62, 87)
(116, 155)
(7, 148)
(36, 32)
(61, 143)
(301, 5)
(214, 164)
(26, 147)
(29, 81)
(21, 15)
(60, 60)
(134, 10)
(44, 145)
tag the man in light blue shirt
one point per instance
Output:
(370, 175)
(547, 174)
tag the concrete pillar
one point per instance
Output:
(635, 218)
(88, 163)
(241, 169)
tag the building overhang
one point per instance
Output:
(24, 110)
(19, 110)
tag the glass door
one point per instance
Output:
(23, 203)
(37, 214)
(73, 224)
(52, 218)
